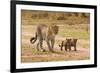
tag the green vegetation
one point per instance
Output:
(74, 33)
(71, 25)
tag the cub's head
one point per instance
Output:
(75, 40)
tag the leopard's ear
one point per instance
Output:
(75, 39)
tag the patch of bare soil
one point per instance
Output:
(80, 54)
(30, 54)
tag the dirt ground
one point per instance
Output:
(29, 52)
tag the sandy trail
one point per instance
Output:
(58, 55)
(30, 54)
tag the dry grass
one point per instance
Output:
(30, 53)
(69, 27)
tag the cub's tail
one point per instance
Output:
(62, 43)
